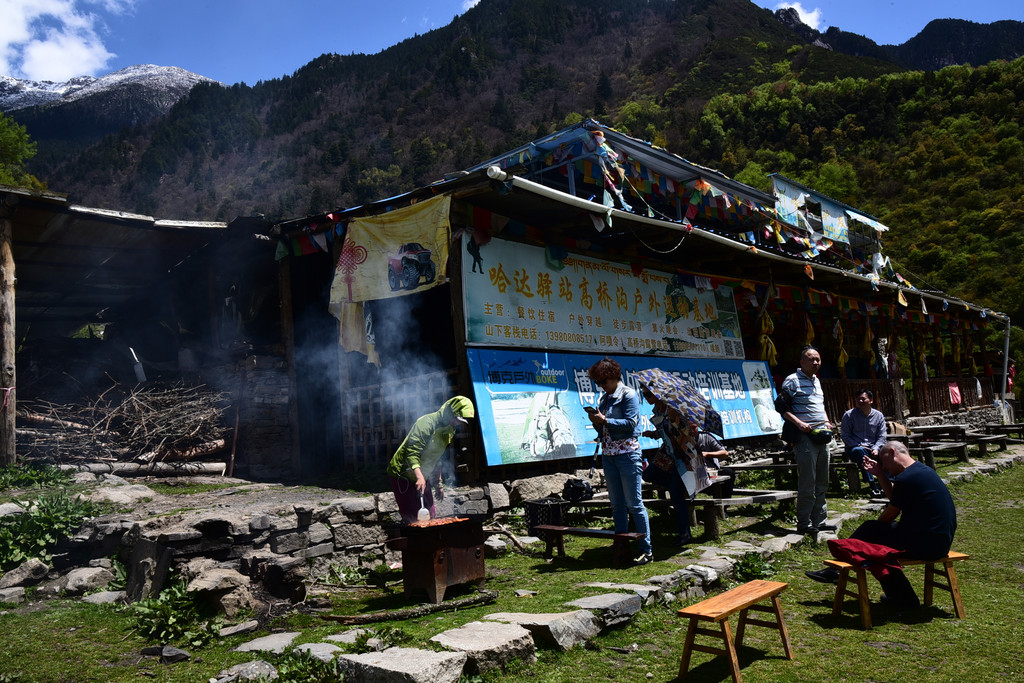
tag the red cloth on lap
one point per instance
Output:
(878, 559)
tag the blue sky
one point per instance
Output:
(250, 40)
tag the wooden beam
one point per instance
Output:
(8, 345)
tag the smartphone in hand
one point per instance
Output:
(590, 409)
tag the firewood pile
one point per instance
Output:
(143, 423)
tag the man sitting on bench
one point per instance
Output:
(927, 519)
(863, 432)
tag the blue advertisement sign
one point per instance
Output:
(531, 403)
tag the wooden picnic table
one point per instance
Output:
(955, 432)
(1008, 428)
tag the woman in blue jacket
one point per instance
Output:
(617, 421)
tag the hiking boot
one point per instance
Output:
(877, 492)
(826, 575)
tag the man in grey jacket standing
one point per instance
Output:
(802, 404)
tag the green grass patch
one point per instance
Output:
(67, 641)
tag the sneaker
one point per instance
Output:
(827, 527)
(826, 575)
(808, 530)
(877, 492)
(643, 559)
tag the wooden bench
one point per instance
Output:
(927, 450)
(860, 594)
(983, 440)
(718, 609)
(711, 506)
(553, 536)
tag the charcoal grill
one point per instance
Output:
(449, 552)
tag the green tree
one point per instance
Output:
(15, 150)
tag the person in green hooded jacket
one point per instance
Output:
(420, 454)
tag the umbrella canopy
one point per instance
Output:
(682, 397)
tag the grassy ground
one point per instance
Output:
(71, 641)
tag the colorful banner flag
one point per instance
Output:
(393, 254)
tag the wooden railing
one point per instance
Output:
(934, 396)
(841, 395)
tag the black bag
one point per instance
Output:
(820, 435)
(784, 404)
(576, 490)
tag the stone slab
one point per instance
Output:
(612, 608)
(489, 645)
(563, 630)
(402, 665)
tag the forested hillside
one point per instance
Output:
(347, 129)
(937, 156)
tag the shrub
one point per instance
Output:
(37, 531)
(175, 616)
(753, 566)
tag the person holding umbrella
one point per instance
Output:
(685, 431)
(664, 467)
(617, 421)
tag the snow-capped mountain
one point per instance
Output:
(164, 82)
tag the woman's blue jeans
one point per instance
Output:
(622, 474)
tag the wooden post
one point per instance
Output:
(284, 285)
(8, 442)
(464, 384)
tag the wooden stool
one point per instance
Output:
(930, 584)
(719, 608)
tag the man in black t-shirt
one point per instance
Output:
(927, 518)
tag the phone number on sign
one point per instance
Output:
(575, 337)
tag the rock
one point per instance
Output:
(356, 506)
(28, 573)
(127, 495)
(346, 534)
(402, 665)
(707, 574)
(275, 642)
(537, 487)
(612, 608)
(348, 637)
(228, 589)
(244, 627)
(167, 654)
(325, 652)
(12, 595)
(79, 581)
(257, 670)
(563, 630)
(647, 593)
(10, 510)
(495, 547)
(148, 566)
(489, 645)
(523, 593)
(498, 495)
(105, 598)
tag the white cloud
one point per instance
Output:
(53, 40)
(811, 18)
(469, 4)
